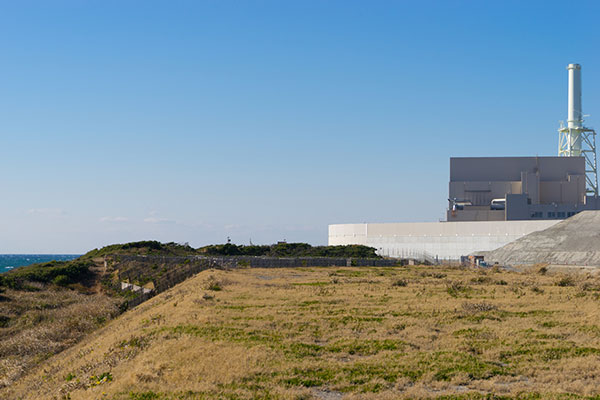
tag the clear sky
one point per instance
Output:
(191, 121)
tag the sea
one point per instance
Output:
(11, 261)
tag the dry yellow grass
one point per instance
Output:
(38, 324)
(329, 333)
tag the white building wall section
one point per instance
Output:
(445, 240)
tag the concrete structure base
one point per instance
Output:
(431, 240)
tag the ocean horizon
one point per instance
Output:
(12, 261)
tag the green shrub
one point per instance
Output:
(61, 280)
(142, 247)
(290, 250)
(64, 272)
(100, 379)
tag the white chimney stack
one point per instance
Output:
(575, 119)
(575, 115)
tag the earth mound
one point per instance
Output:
(574, 241)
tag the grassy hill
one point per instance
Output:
(324, 333)
(46, 308)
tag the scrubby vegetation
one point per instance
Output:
(323, 333)
(59, 272)
(146, 247)
(289, 250)
(44, 309)
(152, 247)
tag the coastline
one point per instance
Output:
(9, 262)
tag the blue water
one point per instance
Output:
(11, 261)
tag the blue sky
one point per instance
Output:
(191, 121)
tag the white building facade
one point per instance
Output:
(441, 240)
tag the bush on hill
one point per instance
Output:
(351, 250)
(150, 247)
(59, 272)
(230, 249)
(289, 250)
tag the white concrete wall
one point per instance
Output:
(445, 240)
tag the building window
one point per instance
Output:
(551, 214)
(561, 214)
(537, 214)
(571, 213)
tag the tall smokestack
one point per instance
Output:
(575, 115)
(575, 119)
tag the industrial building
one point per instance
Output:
(517, 188)
(495, 200)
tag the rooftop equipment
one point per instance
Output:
(498, 204)
(576, 140)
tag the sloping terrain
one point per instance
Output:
(331, 333)
(48, 307)
(574, 241)
(44, 309)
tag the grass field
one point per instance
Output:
(332, 333)
(43, 320)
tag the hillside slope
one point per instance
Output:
(323, 333)
(48, 307)
(44, 309)
(574, 241)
